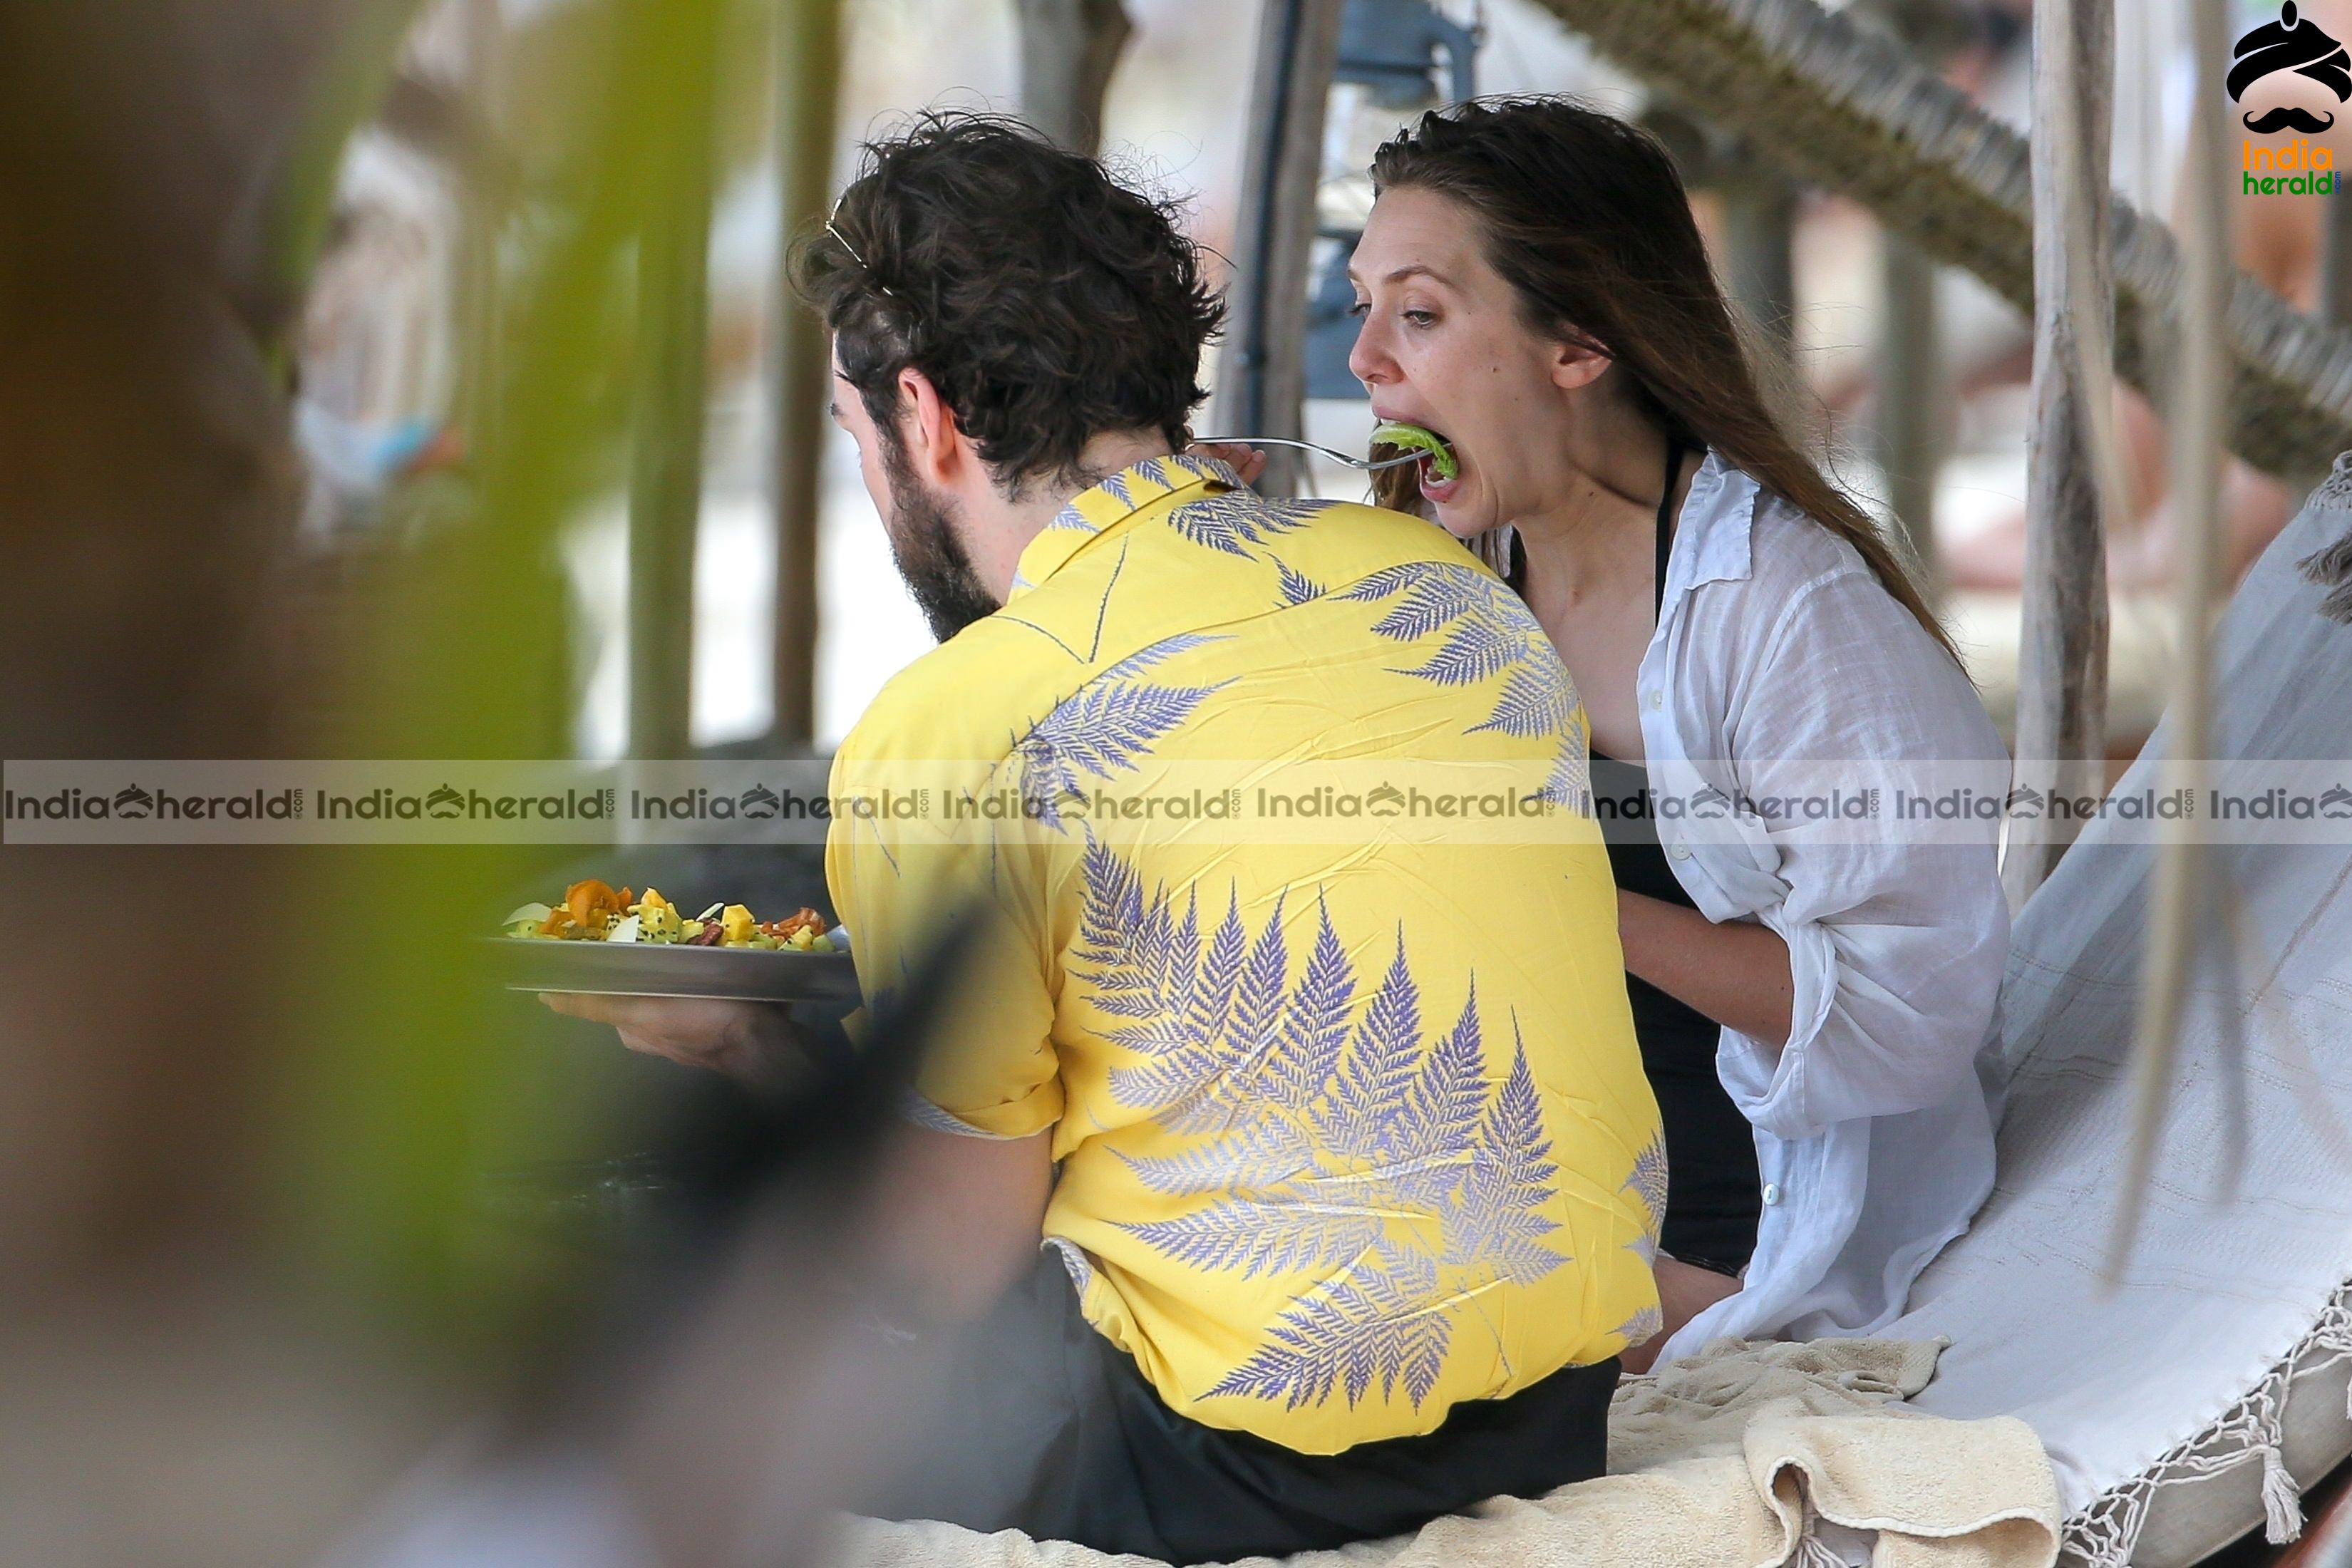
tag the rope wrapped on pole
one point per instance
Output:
(1848, 112)
(2071, 484)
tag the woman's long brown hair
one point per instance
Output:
(1585, 216)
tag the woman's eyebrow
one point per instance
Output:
(1410, 269)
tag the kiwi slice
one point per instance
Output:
(1414, 439)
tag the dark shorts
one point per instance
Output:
(1049, 1429)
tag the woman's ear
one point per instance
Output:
(1577, 362)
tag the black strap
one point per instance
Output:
(1665, 527)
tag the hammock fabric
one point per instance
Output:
(2226, 1347)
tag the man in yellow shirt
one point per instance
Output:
(1333, 1128)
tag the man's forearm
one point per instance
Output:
(959, 1218)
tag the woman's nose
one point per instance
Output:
(1369, 360)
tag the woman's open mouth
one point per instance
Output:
(1439, 465)
(1435, 490)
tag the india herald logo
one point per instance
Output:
(2296, 44)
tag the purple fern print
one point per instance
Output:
(1484, 630)
(1238, 520)
(1334, 1134)
(1296, 588)
(1648, 1183)
(1642, 1327)
(1498, 1221)
(1378, 1327)
(1105, 727)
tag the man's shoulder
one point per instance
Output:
(1350, 548)
(963, 700)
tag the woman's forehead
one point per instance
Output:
(1415, 233)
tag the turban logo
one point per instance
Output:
(2290, 44)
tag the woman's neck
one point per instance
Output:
(1591, 530)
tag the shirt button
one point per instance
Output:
(1771, 1191)
(1678, 851)
(1656, 700)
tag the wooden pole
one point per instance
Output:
(1068, 50)
(2183, 904)
(666, 454)
(2063, 655)
(1262, 382)
(1914, 397)
(1760, 227)
(808, 79)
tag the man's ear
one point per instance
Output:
(935, 445)
(1577, 362)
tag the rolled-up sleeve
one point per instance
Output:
(1896, 948)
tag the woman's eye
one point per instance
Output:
(1420, 318)
(1360, 308)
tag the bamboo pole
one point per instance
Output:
(808, 86)
(1068, 50)
(666, 454)
(2182, 902)
(1262, 382)
(2062, 699)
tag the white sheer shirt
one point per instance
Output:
(1778, 650)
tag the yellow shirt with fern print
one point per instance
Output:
(1349, 1130)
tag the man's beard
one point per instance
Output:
(929, 556)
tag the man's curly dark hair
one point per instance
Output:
(1046, 302)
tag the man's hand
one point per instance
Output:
(751, 1041)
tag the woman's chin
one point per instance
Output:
(1458, 513)
(1445, 499)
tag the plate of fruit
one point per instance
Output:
(617, 942)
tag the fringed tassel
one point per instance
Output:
(2282, 1503)
(2332, 569)
(2106, 1532)
(2106, 1535)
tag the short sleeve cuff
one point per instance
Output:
(1032, 1113)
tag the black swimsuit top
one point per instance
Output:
(1713, 1192)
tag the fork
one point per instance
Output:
(1363, 464)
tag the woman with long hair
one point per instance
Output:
(1813, 1011)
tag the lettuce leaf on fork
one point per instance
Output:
(1414, 439)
